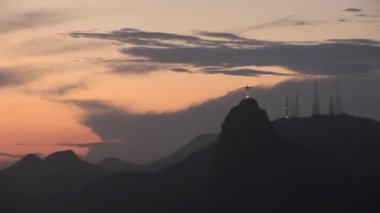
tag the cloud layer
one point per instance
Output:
(29, 20)
(350, 57)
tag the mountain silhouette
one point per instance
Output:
(350, 140)
(59, 174)
(28, 165)
(117, 165)
(250, 168)
(197, 143)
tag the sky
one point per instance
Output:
(137, 79)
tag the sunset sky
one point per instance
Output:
(100, 77)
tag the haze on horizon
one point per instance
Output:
(86, 74)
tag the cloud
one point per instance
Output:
(136, 68)
(29, 20)
(99, 144)
(291, 20)
(138, 37)
(242, 72)
(367, 15)
(324, 59)
(356, 41)
(11, 77)
(183, 70)
(90, 106)
(64, 89)
(232, 72)
(352, 10)
(227, 50)
(146, 137)
(228, 36)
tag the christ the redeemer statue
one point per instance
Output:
(247, 91)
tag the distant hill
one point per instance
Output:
(117, 165)
(59, 174)
(351, 140)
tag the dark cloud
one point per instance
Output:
(140, 38)
(99, 144)
(10, 77)
(136, 68)
(181, 70)
(65, 89)
(232, 72)
(243, 72)
(145, 137)
(356, 41)
(93, 106)
(151, 136)
(291, 20)
(170, 40)
(325, 59)
(229, 36)
(29, 20)
(352, 10)
(334, 57)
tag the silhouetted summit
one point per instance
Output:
(28, 165)
(67, 155)
(59, 174)
(245, 122)
(68, 161)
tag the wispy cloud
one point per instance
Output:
(352, 10)
(99, 144)
(11, 77)
(63, 90)
(29, 20)
(367, 15)
(291, 20)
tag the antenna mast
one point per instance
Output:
(316, 106)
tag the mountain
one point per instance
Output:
(250, 168)
(199, 142)
(117, 165)
(350, 140)
(59, 174)
(28, 165)
(68, 161)
(194, 145)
